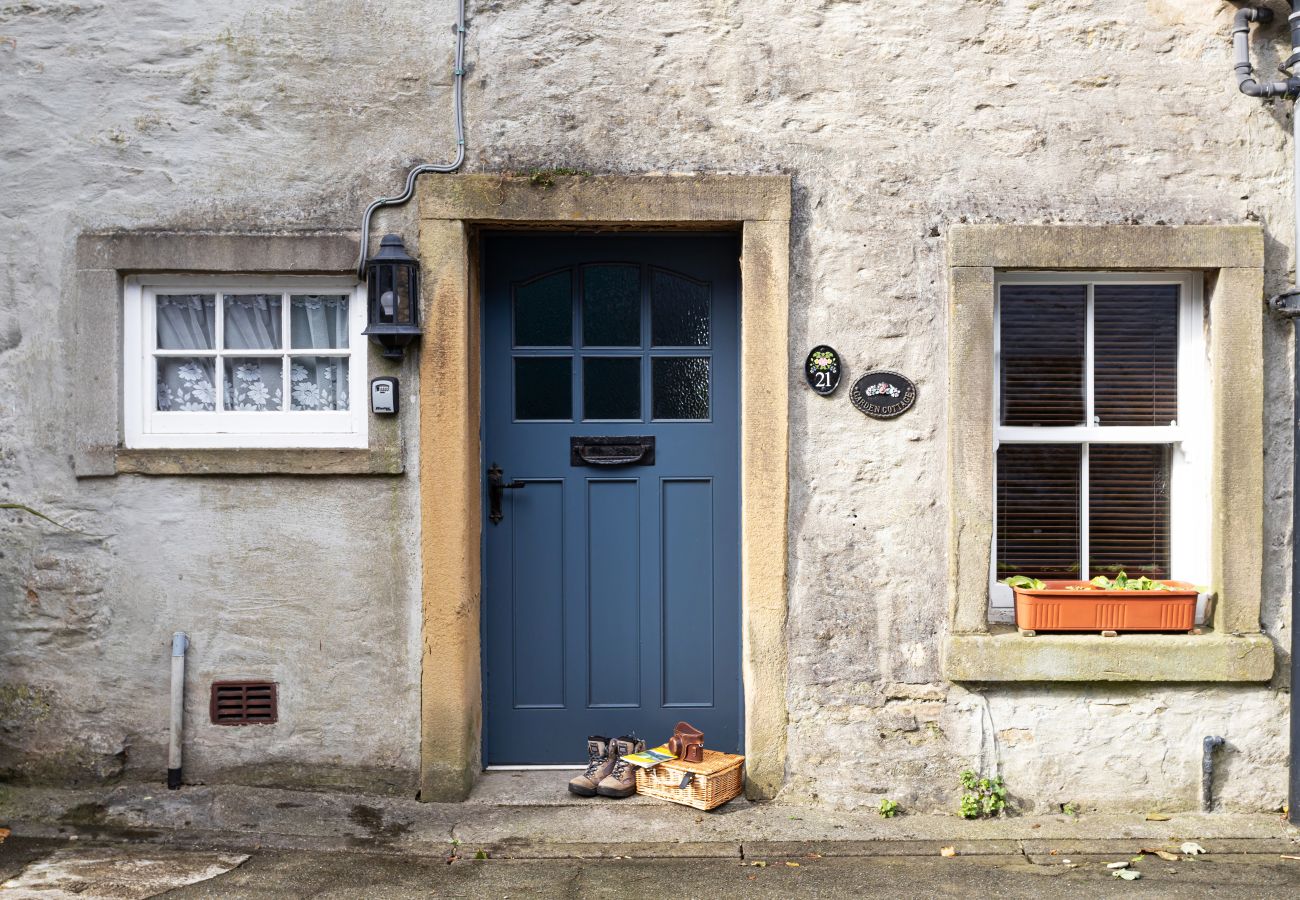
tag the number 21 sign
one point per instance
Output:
(822, 369)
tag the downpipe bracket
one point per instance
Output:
(1286, 305)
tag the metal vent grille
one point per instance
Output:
(243, 703)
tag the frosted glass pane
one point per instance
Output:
(611, 387)
(679, 311)
(611, 306)
(253, 322)
(318, 321)
(544, 388)
(253, 385)
(681, 387)
(544, 311)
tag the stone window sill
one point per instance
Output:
(305, 461)
(1003, 655)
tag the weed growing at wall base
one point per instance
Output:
(984, 797)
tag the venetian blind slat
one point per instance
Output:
(1135, 340)
(1039, 502)
(1042, 349)
(1128, 506)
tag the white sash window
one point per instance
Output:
(1101, 428)
(244, 362)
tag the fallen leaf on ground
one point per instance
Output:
(1191, 848)
(760, 864)
(1163, 854)
(948, 851)
(1122, 864)
(1053, 852)
(793, 865)
(1158, 817)
(4, 833)
(1127, 874)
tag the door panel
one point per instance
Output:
(611, 592)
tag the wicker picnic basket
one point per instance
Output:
(712, 783)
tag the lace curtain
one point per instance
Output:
(252, 322)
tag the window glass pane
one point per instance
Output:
(680, 385)
(544, 311)
(611, 387)
(1043, 354)
(186, 384)
(1038, 510)
(318, 382)
(253, 385)
(1128, 509)
(543, 387)
(187, 321)
(679, 311)
(318, 321)
(253, 322)
(1135, 345)
(611, 306)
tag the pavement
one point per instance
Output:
(522, 835)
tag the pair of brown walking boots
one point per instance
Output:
(608, 774)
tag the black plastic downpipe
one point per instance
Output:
(1287, 305)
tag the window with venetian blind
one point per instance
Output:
(1100, 408)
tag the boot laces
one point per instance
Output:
(596, 760)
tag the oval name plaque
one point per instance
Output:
(883, 394)
(822, 369)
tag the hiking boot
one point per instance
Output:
(621, 781)
(600, 763)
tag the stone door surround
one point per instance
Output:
(452, 209)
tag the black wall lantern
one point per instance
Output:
(393, 292)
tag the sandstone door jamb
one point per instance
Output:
(449, 413)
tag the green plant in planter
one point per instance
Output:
(1024, 581)
(888, 808)
(984, 797)
(1121, 582)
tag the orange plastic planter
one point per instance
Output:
(1058, 608)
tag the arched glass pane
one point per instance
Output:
(611, 306)
(544, 311)
(679, 311)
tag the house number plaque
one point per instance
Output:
(883, 394)
(822, 369)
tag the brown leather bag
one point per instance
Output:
(687, 743)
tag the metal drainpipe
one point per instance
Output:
(1286, 305)
(180, 641)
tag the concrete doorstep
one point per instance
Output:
(515, 815)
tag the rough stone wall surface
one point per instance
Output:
(895, 120)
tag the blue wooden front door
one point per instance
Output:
(611, 580)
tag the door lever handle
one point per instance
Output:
(497, 486)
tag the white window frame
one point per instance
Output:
(146, 427)
(1189, 501)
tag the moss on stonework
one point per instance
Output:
(22, 705)
(546, 177)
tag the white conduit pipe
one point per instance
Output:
(458, 112)
(180, 642)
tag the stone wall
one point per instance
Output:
(896, 120)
